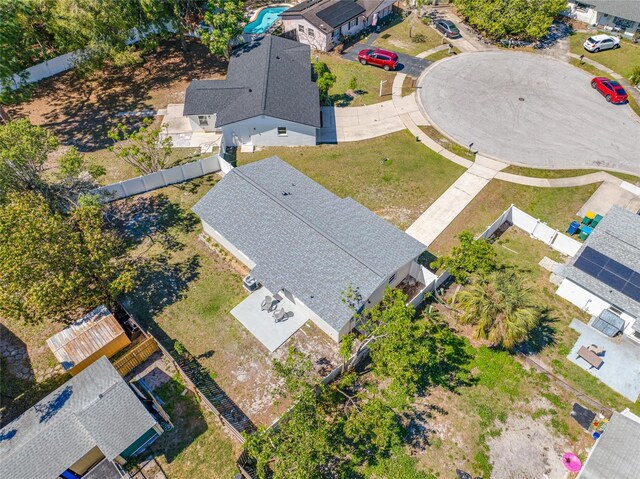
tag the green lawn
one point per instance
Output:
(396, 38)
(621, 60)
(542, 173)
(393, 175)
(434, 57)
(453, 147)
(197, 445)
(555, 206)
(368, 80)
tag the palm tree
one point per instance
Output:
(501, 307)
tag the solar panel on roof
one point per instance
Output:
(612, 273)
(340, 12)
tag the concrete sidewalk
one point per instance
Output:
(450, 204)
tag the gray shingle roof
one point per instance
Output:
(271, 76)
(321, 13)
(304, 238)
(618, 237)
(617, 452)
(94, 408)
(627, 9)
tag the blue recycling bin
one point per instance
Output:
(573, 228)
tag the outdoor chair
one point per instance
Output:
(280, 315)
(590, 357)
(267, 303)
(596, 349)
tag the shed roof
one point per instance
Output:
(94, 408)
(617, 453)
(271, 77)
(81, 339)
(304, 238)
(616, 237)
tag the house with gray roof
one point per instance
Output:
(267, 99)
(603, 278)
(85, 428)
(305, 246)
(620, 16)
(323, 24)
(616, 454)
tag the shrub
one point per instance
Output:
(418, 38)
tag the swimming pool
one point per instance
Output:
(266, 18)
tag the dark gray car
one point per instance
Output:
(447, 28)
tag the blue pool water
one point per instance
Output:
(266, 18)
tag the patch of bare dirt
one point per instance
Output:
(80, 111)
(526, 449)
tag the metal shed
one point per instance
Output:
(96, 334)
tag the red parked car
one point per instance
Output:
(380, 58)
(610, 89)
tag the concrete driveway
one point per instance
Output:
(530, 110)
(409, 65)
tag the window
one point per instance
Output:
(282, 131)
(310, 32)
(353, 23)
(203, 120)
(392, 278)
(301, 28)
(615, 310)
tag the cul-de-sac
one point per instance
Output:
(320, 239)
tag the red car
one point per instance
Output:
(611, 90)
(380, 58)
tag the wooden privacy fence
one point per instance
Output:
(136, 356)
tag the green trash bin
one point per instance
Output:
(595, 221)
(585, 232)
(586, 221)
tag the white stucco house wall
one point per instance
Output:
(620, 16)
(302, 242)
(322, 24)
(267, 99)
(603, 278)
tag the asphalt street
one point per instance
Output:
(530, 110)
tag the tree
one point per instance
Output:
(324, 79)
(635, 75)
(24, 39)
(501, 308)
(24, 149)
(353, 83)
(224, 19)
(515, 19)
(104, 30)
(142, 148)
(185, 16)
(54, 266)
(471, 256)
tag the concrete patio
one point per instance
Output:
(179, 129)
(262, 323)
(621, 368)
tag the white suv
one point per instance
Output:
(601, 42)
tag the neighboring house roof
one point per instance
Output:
(304, 238)
(81, 339)
(617, 453)
(617, 237)
(627, 9)
(327, 15)
(94, 408)
(271, 77)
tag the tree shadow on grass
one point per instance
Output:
(155, 218)
(161, 284)
(542, 336)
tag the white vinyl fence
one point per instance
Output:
(536, 228)
(162, 178)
